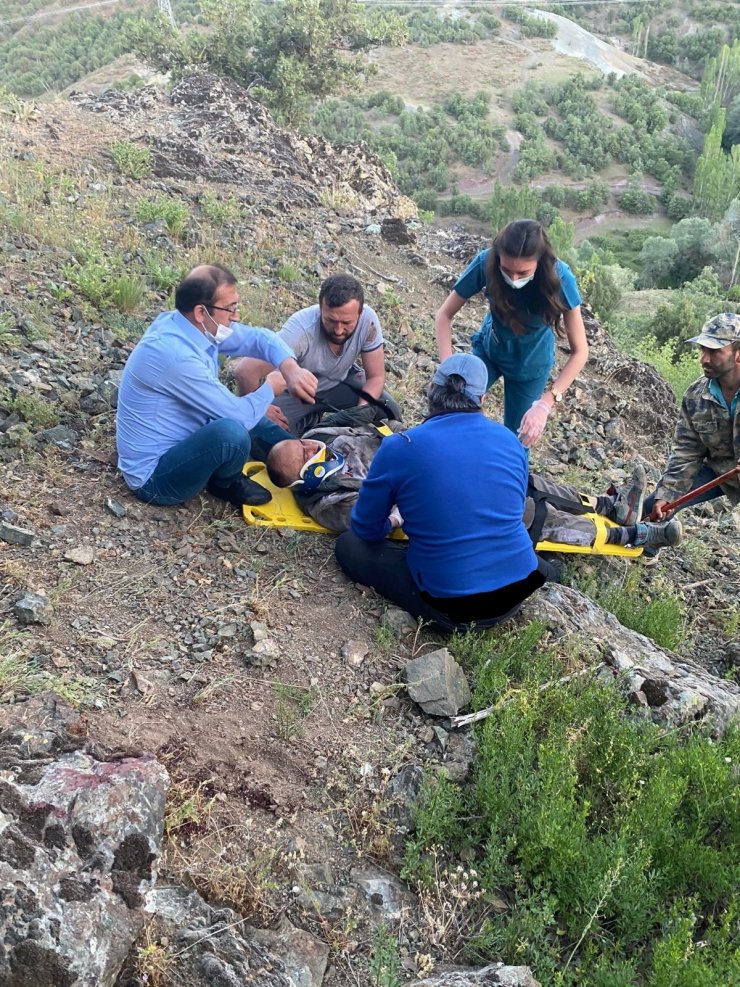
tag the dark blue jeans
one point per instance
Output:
(217, 451)
(704, 475)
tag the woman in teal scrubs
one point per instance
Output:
(528, 291)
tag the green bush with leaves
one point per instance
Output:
(298, 50)
(130, 160)
(636, 200)
(531, 26)
(426, 28)
(683, 316)
(37, 412)
(100, 281)
(614, 843)
(418, 146)
(172, 212)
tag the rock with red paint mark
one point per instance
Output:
(80, 838)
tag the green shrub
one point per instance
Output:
(660, 616)
(130, 160)
(613, 844)
(636, 201)
(37, 412)
(173, 212)
(8, 331)
(90, 278)
(162, 275)
(126, 292)
(678, 371)
(219, 209)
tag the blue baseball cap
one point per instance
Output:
(472, 370)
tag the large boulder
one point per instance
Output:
(212, 946)
(495, 975)
(672, 689)
(81, 832)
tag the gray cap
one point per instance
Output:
(472, 370)
(719, 331)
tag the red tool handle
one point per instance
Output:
(729, 475)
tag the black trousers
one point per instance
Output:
(382, 565)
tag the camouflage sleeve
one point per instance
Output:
(687, 455)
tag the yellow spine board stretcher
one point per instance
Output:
(283, 512)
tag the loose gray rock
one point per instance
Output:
(396, 231)
(496, 975)
(387, 897)
(114, 508)
(33, 608)
(217, 949)
(59, 436)
(437, 683)
(14, 535)
(304, 956)
(81, 837)
(80, 555)
(398, 621)
(354, 652)
(402, 796)
(676, 689)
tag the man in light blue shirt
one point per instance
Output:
(178, 428)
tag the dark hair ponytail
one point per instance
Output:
(524, 238)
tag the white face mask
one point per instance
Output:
(222, 332)
(519, 283)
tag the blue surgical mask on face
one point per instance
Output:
(519, 283)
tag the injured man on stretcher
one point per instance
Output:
(326, 468)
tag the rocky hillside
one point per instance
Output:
(264, 683)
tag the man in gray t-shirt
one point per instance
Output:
(329, 339)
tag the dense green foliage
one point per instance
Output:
(613, 843)
(426, 27)
(56, 55)
(48, 54)
(295, 51)
(530, 25)
(589, 139)
(418, 145)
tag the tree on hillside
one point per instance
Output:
(728, 242)
(657, 261)
(290, 53)
(717, 176)
(721, 81)
(695, 239)
(732, 125)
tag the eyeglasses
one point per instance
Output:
(231, 309)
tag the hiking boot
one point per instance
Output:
(650, 556)
(627, 506)
(240, 492)
(659, 534)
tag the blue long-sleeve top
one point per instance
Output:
(170, 389)
(460, 483)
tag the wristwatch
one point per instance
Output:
(557, 396)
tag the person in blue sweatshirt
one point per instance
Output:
(458, 483)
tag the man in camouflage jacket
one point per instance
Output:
(707, 439)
